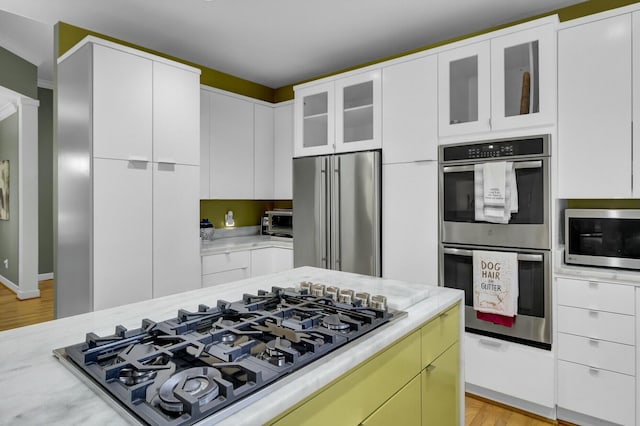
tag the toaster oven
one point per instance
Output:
(278, 223)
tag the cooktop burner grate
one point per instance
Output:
(181, 370)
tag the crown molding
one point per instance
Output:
(7, 110)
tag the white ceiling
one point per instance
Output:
(272, 42)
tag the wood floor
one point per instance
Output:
(478, 411)
(17, 313)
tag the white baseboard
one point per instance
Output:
(16, 289)
(540, 410)
(42, 277)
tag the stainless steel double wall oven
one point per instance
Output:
(528, 232)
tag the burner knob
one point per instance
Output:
(305, 286)
(379, 302)
(332, 292)
(363, 298)
(346, 295)
(317, 290)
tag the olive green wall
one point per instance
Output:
(245, 212)
(603, 204)
(17, 74)
(9, 228)
(45, 181)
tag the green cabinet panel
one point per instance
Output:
(441, 390)
(393, 386)
(438, 334)
(353, 397)
(404, 408)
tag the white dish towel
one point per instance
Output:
(495, 213)
(495, 282)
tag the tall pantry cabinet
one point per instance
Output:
(128, 177)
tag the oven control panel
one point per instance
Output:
(494, 149)
(490, 150)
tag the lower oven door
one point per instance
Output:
(532, 325)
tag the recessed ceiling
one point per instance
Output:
(272, 42)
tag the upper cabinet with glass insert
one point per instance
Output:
(340, 115)
(505, 80)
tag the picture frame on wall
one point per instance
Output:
(4, 189)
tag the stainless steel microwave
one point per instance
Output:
(278, 222)
(602, 237)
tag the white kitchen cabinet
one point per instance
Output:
(176, 242)
(122, 222)
(205, 144)
(338, 115)
(118, 207)
(500, 81)
(510, 369)
(269, 260)
(359, 112)
(597, 393)
(410, 111)
(225, 267)
(122, 91)
(596, 349)
(595, 99)
(314, 112)
(232, 157)
(263, 151)
(283, 152)
(410, 222)
(464, 89)
(176, 115)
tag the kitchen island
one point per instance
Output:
(35, 388)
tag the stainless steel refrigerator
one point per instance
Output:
(337, 212)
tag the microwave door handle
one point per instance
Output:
(516, 165)
(525, 257)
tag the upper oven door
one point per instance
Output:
(529, 227)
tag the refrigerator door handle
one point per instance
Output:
(337, 216)
(377, 263)
(324, 229)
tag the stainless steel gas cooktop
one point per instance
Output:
(182, 370)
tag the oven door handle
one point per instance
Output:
(525, 257)
(516, 165)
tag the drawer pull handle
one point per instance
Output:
(593, 284)
(491, 343)
(430, 368)
(594, 342)
(593, 313)
(594, 370)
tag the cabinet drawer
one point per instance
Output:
(439, 334)
(598, 393)
(597, 353)
(226, 262)
(493, 364)
(225, 277)
(596, 324)
(596, 295)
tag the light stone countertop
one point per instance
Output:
(249, 242)
(623, 276)
(35, 388)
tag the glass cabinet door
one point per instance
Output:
(314, 115)
(463, 77)
(358, 115)
(523, 82)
